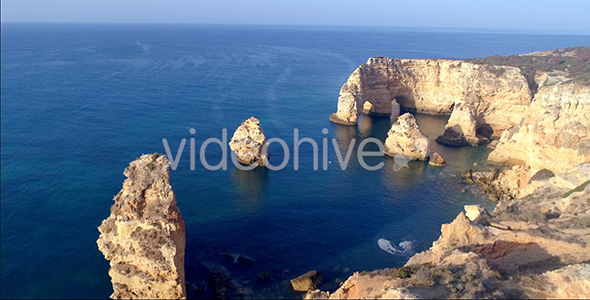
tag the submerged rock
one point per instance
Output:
(307, 282)
(144, 237)
(248, 141)
(238, 258)
(404, 138)
(264, 276)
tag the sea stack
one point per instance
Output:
(248, 141)
(461, 127)
(404, 138)
(144, 237)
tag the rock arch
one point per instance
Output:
(435, 86)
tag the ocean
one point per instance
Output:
(79, 102)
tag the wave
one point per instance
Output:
(404, 248)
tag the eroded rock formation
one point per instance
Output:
(248, 141)
(570, 282)
(536, 245)
(497, 95)
(554, 133)
(405, 138)
(144, 237)
(462, 127)
(436, 160)
(308, 281)
(541, 119)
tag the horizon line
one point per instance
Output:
(411, 28)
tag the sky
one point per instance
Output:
(565, 16)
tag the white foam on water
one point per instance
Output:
(405, 248)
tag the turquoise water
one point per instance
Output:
(79, 102)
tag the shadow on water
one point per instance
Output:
(456, 157)
(344, 134)
(371, 126)
(249, 187)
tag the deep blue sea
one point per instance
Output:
(79, 102)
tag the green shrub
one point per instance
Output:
(404, 272)
(579, 188)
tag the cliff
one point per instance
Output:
(144, 237)
(554, 132)
(537, 103)
(499, 95)
(534, 246)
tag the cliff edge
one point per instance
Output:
(534, 246)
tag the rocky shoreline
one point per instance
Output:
(535, 244)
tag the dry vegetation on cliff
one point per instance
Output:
(574, 62)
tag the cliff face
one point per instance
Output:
(534, 246)
(555, 131)
(499, 95)
(542, 120)
(144, 237)
(536, 242)
(461, 129)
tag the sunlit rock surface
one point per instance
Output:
(248, 142)
(144, 237)
(404, 138)
(497, 95)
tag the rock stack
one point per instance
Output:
(404, 138)
(248, 141)
(144, 237)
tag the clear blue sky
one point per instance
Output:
(558, 15)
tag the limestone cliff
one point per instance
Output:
(248, 142)
(536, 245)
(144, 237)
(555, 130)
(405, 138)
(499, 95)
(554, 133)
(537, 103)
(461, 128)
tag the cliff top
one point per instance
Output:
(573, 62)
